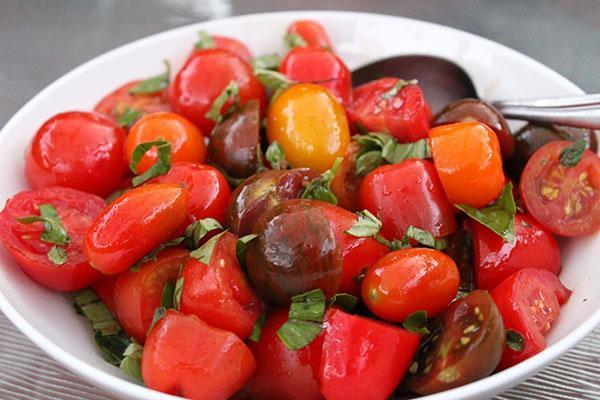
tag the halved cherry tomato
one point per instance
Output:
(133, 225)
(404, 114)
(185, 356)
(80, 150)
(76, 211)
(465, 345)
(468, 160)
(138, 293)
(230, 44)
(565, 200)
(320, 66)
(187, 142)
(208, 190)
(496, 259)
(104, 287)
(405, 194)
(312, 32)
(363, 358)
(310, 125)
(218, 293)
(529, 301)
(281, 373)
(204, 76)
(346, 182)
(410, 280)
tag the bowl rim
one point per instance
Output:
(491, 384)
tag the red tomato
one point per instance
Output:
(104, 287)
(203, 78)
(139, 293)
(281, 373)
(320, 66)
(529, 301)
(404, 115)
(219, 293)
(312, 32)
(76, 210)
(496, 259)
(185, 356)
(410, 280)
(358, 253)
(133, 225)
(363, 359)
(208, 188)
(80, 150)
(230, 44)
(565, 200)
(409, 193)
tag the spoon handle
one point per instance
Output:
(552, 102)
(579, 116)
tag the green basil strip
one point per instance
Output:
(378, 148)
(366, 225)
(54, 231)
(168, 295)
(416, 323)
(345, 300)
(154, 253)
(298, 334)
(161, 166)
(204, 253)
(294, 40)
(397, 88)
(368, 161)
(112, 347)
(158, 314)
(57, 255)
(394, 152)
(320, 188)
(571, 156)
(205, 41)
(197, 230)
(242, 247)
(178, 290)
(272, 79)
(425, 238)
(131, 365)
(232, 92)
(154, 84)
(258, 326)
(128, 117)
(267, 61)
(305, 319)
(514, 340)
(276, 157)
(499, 217)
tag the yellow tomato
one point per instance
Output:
(310, 125)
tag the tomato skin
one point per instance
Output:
(410, 280)
(204, 76)
(219, 293)
(230, 44)
(76, 210)
(566, 201)
(350, 372)
(405, 116)
(310, 125)
(185, 356)
(80, 150)
(312, 32)
(281, 373)
(320, 66)
(409, 193)
(187, 142)
(139, 293)
(208, 190)
(104, 287)
(496, 259)
(529, 301)
(468, 161)
(133, 225)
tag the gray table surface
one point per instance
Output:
(41, 40)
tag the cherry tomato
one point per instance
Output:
(404, 114)
(468, 161)
(185, 356)
(218, 293)
(312, 32)
(281, 373)
(320, 66)
(405, 194)
(295, 251)
(76, 211)
(310, 125)
(138, 293)
(363, 358)
(230, 44)
(104, 287)
(346, 182)
(565, 200)
(187, 142)
(496, 259)
(204, 76)
(410, 280)
(208, 190)
(133, 225)
(529, 301)
(465, 345)
(79, 150)
(358, 253)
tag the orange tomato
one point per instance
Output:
(468, 161)
(187, 142)
(310, 125)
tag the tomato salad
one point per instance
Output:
(258, 228)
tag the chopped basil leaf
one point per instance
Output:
(114, 195)
(514, 340)
(305, 319)
(168, 294)
(320, 188)
(57, 255)
(368, 161)
(297, 334)
(161, 166)
(131, 365)
(367, 225)
(196, 231)
(158, 314)
(377, 148)
(154, 253)
(54, 231)
(177, 292)
(128, 117)
(242, 247)
(423, 237)
(397, 88)
(276, 157)
(294, 40)
(272, 79)
(394, 152)
(231, 92)
(267, 61)
(571, 156)
(204, 253)
(499, 217)
(154, 84)
(112, 347)
(205, 41)
(257, 330)
(416, 323)
(345, 300)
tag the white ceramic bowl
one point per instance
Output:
(48, 319)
